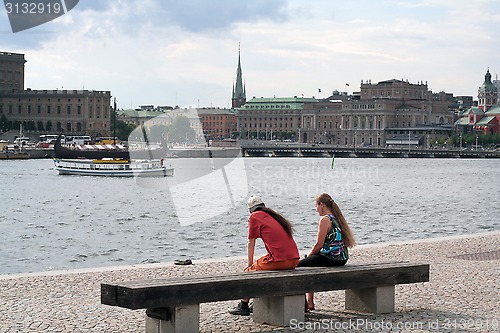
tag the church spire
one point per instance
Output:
(239, 91)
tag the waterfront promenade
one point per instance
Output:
(462, 295)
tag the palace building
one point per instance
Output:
(380, 112)
(75, 112)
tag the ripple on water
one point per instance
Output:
(397, 201)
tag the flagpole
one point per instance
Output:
(114, 123)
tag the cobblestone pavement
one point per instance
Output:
(462, 295)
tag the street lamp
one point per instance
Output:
(460, 142)
(409, 138)
(354, 139)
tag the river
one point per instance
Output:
(53, 222)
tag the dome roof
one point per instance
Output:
(487, 86)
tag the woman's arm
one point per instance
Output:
(250, 251)
(323, 227)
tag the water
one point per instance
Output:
(52, 222)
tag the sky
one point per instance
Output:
(185, 53)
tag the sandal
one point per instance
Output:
(183, 262)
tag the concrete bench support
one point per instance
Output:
(370, 300)
(181, 319)
(279, 310)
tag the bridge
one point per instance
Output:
(280, 149)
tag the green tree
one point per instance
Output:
(123, 129)
(181, 131)
(39, 126)
(158, 133)
(4, 123)
(15, 125)
(31, 125)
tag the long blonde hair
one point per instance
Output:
(347, 235)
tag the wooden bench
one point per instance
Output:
(173, 303)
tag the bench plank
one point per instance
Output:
(172, 292)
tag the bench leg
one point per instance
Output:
(173, 320)
(279, 310)
(370, 300)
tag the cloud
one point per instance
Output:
(132, 17)
(185, 53)
(202, 15)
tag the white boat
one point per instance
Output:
(113, 167)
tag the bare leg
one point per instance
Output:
(310, 301)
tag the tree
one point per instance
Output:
(158, 133)
(181, 131)
(39, 126)
(123, 129)
(31, 125)
(4, 123)
(15, 125)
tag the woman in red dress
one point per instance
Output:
(277, 234)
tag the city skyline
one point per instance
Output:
(169, 53)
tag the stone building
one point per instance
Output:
(163, 116)
(75, 112)
(272, 118)
(395, 106)
(385, 110)
(361, 120)
(11, 72)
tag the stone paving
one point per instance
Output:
(462, 295)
